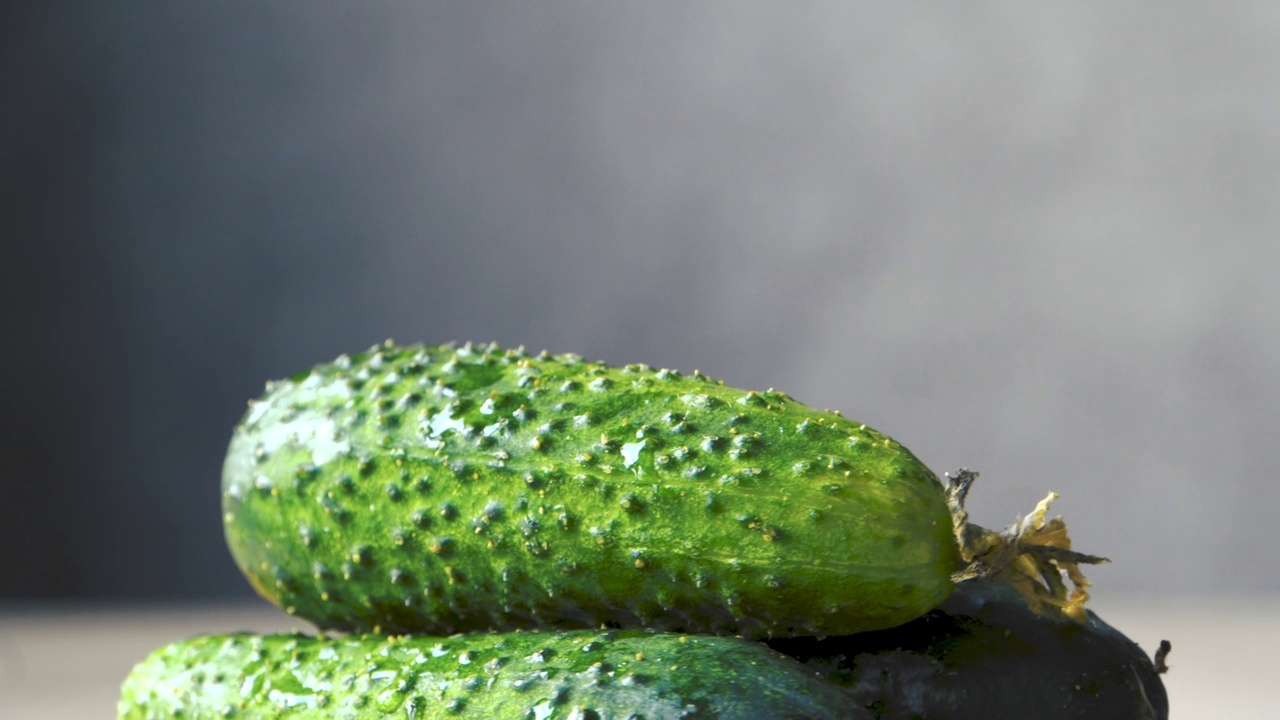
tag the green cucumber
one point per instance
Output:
(462, 488)
(582, 675)
(984, 653)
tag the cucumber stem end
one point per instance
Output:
(1032, 555)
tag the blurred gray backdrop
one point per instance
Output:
(1038, 241)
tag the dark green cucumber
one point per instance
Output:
(600, 675)
(462, 488)
(985, 654)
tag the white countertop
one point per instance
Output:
(67, 664)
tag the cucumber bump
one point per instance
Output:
(462, 488)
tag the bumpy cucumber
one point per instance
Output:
(462, 488)
(536, 676)
(985, 654)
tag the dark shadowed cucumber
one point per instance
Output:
(450, 489)
(583, 675)
(984, 654)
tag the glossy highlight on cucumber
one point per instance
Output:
(464, 488)
(581, 675)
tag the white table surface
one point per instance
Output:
(67, 663)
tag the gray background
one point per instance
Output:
(1036, 241)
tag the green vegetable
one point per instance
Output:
(452, 489)
(986, 654)
(581, 675)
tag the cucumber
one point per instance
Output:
(540, 676)
(453, 489)
(984, 653)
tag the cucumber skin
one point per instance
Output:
(465, 488)
(606, 675)
(985, 654)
